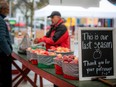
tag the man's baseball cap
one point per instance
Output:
(54, 13)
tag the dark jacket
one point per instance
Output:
(57, 36)
(5, 42)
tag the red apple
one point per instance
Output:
(72, 62)
(46, 53)
(71, 56)
(59, 55)
(65, 61)
(65, 58)
(70, 59)
(76, 60)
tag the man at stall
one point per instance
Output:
(57, 35)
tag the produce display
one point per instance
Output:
(62, 49)
(66, 65)
(67, 58)
(70, 67)
(59, 49)
(70, 59)
(40, 57)
(61, 58)
(41, 52)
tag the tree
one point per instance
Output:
(27, 8)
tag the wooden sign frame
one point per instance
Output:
(80, 51)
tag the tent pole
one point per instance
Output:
(45, 25)
(114, 23)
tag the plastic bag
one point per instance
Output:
(25, 43)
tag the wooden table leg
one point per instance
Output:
(24, 73)
(25, 80)
(14, 79)
(14, 71)
(35, 78)
(41, 81)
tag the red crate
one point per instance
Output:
(34, 61)
(70, 77)
(58, 70)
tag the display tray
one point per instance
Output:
(51, 50)
(65, 53)
(46, 56)
(22, 52)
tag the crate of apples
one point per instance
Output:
(45, 57)
(32, 55)
(70, 67)
(64, 51)
(70, 59)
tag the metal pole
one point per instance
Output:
(10, 9)
(45, 25)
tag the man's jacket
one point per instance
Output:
(5, 43)
(57, 36)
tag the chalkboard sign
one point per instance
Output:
(96, 52)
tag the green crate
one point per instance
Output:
(40, 65)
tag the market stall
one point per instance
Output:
(49, 74)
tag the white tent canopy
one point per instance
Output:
(66, 11)
(78, 12)
(83, 3)
(74, 11)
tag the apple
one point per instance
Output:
(33, 51)
(41, 52)
(65, 61)
(29, 48)
(53, 48)
(59, 55)
(65, 58)
(71, 56)
(72, 62)
(62, 49)
(52, 54)
(46, 53)
(66, 49)
(75, 60)
(70, 59)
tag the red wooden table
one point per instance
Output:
(50, 75)
(41, 72)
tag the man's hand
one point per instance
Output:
(36, 40)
